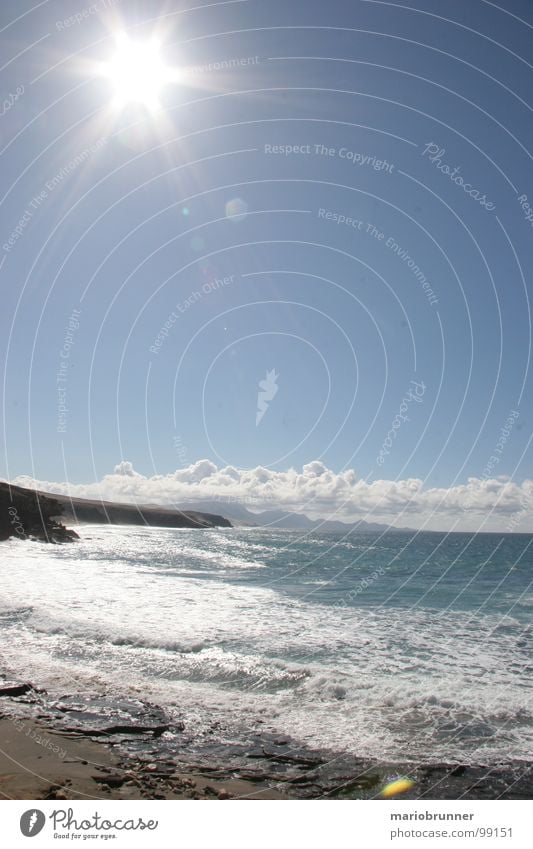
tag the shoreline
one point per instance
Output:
(39, 759)
(179, 662)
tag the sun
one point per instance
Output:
(137, 73)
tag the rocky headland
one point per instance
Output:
(30, 514)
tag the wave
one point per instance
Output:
(124, 616)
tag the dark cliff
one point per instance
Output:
(32, 514)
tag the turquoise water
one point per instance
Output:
(487, 573)
(395, 647)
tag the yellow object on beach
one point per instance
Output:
(400, 785)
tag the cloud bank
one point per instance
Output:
(488, 504)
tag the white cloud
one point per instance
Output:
(489, 504)
(126, 468)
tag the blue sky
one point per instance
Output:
(292, 207)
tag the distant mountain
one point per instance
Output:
(299, 521)
(240, 515)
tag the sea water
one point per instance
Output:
(391, 646)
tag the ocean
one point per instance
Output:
(394, 647)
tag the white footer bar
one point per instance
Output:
(267, 824)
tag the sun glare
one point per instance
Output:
(137, 73)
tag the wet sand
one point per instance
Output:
(37, 762)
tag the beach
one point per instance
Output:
(38, 761)
(265, 664)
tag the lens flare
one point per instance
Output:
(236, 209)
(396, 787)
